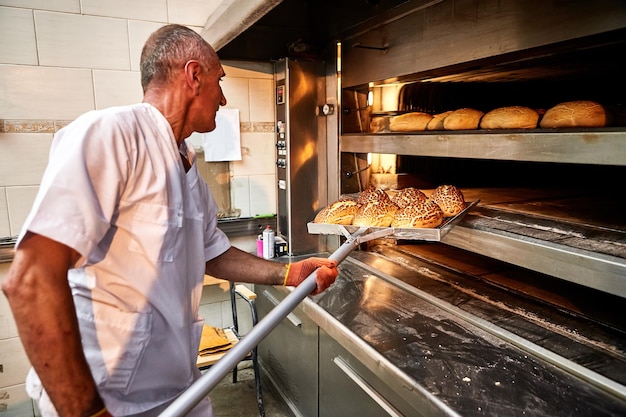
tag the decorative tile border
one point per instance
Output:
(31, 126)
(53, 126)
(256, 127)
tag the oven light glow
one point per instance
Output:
(370, 98)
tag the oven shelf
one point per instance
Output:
(589, 146)
(587, 255)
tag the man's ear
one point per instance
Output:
(192, 72)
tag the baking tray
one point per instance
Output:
(426, 234)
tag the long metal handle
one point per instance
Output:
(199, 389)
(291, 317)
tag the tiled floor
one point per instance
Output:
(239, 399)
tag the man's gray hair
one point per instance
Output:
(168, 49)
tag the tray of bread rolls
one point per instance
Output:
(411, 213)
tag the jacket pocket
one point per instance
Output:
(113, 340)
(154, 229)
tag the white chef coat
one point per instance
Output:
(115, 190)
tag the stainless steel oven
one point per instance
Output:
(517, 310)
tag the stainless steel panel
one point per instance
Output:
(289, 355)
(299, 164)
(454, 355)
(587, 268)
(599, 146)
(458, 31)
(349, 388)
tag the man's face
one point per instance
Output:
(210, 98)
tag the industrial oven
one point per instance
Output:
(517, 309)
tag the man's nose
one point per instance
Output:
(223, 101)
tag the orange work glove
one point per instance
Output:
(324, 276)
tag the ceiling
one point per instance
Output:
(304, 28)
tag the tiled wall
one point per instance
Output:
(61, 58)
(50, 76)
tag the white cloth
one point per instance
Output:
(115, 191)
(223, 143)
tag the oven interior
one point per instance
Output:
(572, 206)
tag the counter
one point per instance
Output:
(6, 249)
(437, 348)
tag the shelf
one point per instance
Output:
(591, 255)
(590, 146)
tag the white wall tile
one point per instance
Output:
(23, 157)
(5, 230)
(155, 10)
(17, 36)
(19, 200)
(240, 194)
(138, 33)
(245, 243)
(237, 96)
(212, 313)
(262, 194)
(16, 402)
(257, 153)
(71, 6)
(261, 100)
(116, 88)
(29, 93)
(15, 364)
(8, 328)
(71, 40)
(190, 12)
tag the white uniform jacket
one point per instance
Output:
(116, 192)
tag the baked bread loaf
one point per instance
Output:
(372, 194)
(409, 122)
(424, 214)
(580, 113)
(379, 124)
(339, 212)
(375, 213)
(407, 196)
(463, 119)
(510, 117)
(450, 199)
(436, 123)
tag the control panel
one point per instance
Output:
(281, 145)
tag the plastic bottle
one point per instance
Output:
(259, 246)
(268, 243)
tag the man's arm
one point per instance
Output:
(40, 298)
(240, 266)
(237, 265)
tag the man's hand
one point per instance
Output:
(324, 276)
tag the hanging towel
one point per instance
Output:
(213, 340)
(224, 143)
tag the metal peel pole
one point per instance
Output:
(199, 389)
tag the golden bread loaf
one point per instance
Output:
(450, 199)
(463, 119)
(581, 113)
(423, 214)
(375, 213)
(408, 196)
(379, 124)
(339, 212)
(372, 194)
(510, 117)
(436, 123)
(409, 122)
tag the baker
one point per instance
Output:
(107, 276)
